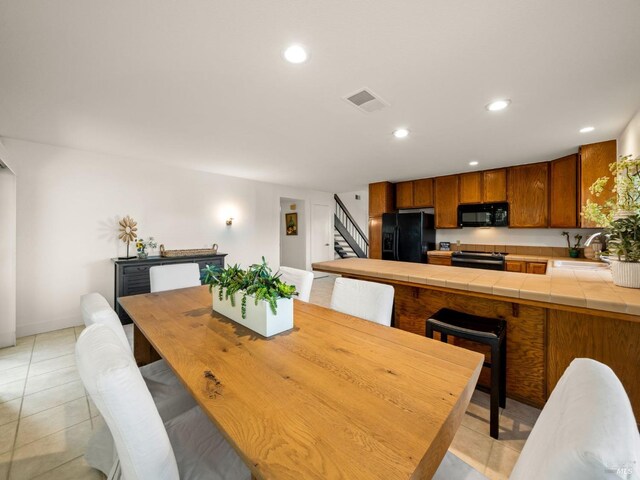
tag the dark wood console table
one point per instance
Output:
(132, 276)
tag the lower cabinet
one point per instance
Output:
(539, 268)
(132, 276)
(435, 260)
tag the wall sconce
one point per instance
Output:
(229, 221)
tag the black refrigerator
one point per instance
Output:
(407, 236)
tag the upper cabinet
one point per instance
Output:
(446, 201)
(380, 198)
(528, 196)
(416, 194)
(563, 198)
(423, 193)
(404, 195)
(489, 186)
(594, 163)
(471, 187)
(494, 185)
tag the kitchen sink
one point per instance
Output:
(579, 265)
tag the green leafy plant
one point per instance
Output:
(619, 215)
(624, 238)
(626, 190)
(258, 281)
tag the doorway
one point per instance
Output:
(7, 257)
(293, 233)
(321, 233)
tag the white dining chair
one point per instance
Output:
(369, 300)
(170, 397)
(586, 430)
(172, 277)
(186, 447)
(301, 279)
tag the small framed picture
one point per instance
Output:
(291, 221)
(445, 246)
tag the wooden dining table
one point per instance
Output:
(336, 397)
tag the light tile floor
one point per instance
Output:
(46, 417)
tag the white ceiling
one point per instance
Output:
(202, 84)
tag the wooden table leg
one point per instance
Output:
(143, 352)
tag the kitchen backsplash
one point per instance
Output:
(519, 249)
(511, 236)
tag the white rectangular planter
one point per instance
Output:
(259, 317)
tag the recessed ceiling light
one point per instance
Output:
(587, 129)
(295, 54)
(498, 105)
(473, 163)
(401, 133)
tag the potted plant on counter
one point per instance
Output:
(574, 252)
(266, 304)
(620, 217)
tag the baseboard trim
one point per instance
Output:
(49, 326)
(7, 339)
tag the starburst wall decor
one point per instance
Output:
(128, 229)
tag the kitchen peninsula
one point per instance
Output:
(551, 319)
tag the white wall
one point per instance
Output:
(359, 209)
(7, 253)
(68, 204)
(629, 141)
(293, 248)
(542, 237)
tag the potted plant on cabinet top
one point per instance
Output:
(620, 217)
(269, 310)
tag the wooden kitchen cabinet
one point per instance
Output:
(423, 193)
(594, 163)
(515, 266)
(528, 196)
(539, 268)
(471, 187)
(494, 185)
(446, 201)
(375, 237)
(437, 260)
(563, 198)
(381, 198)
(404, 195)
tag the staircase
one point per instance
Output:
(348, 238)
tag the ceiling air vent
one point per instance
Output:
(366, 100)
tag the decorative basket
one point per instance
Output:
(626, 274)
(194, 252)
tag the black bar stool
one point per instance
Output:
(488, 331)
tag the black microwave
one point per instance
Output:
(484, 215)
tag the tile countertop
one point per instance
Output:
(591, 289)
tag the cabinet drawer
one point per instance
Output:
(136, 270)
(435, 260)
(136, 284)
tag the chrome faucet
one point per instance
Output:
(591, 238)
(598, 251)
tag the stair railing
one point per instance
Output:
(349, 229)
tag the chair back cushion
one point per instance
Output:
(301, 279)
(91, 305)
(586, 430)
(369, 300)
(115, 385)
(94, 311)
(172, 277)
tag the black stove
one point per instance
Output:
(484, 260)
